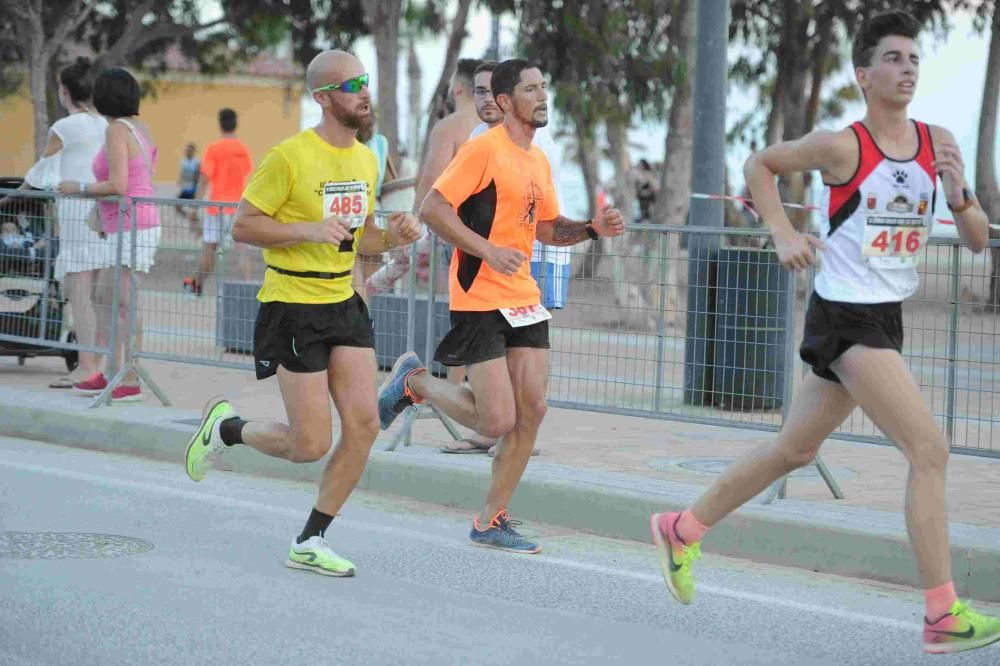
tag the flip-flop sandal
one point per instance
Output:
(461, 446)
(63, 383)
(493, 449)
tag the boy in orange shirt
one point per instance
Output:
(224, 170)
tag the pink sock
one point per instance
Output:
(940, 600)
(687, 527)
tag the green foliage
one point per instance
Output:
(763, 28)
(621, 61)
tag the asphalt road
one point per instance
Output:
(209, 585)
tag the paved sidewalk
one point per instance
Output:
(596, 472)
(871, 476)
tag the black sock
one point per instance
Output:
(231, 431)
(315, 526)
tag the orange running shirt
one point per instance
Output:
(500, 191)
(227, 166)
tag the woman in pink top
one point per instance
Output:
(124, 167)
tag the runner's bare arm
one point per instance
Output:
(828, 152)
(254, 227)
(972, 222)
(402, 229)
(444, 221)
(562, 231)
(440, 151)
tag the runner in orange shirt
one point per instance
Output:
(224, 170)
(494, 199)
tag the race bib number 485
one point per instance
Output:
(894, 241)
(348, 199)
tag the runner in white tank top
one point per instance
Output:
(875, 225)
(876, 218)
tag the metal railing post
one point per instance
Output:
(661, 321)
(953, 324)
(116, 291)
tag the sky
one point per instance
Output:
(949, 94)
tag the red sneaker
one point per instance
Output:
(92, 385)
(126, 394)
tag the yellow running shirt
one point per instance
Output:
(305, 179)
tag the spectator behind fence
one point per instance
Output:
(187, 180)
(224, 172)
(69, 150)
(124, 167)
(386, 174)
(646, 189)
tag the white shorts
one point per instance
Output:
(216, 227)
(147, 240)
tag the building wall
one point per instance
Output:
(178, 110)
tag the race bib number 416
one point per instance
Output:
(894, 241)
(348, 199)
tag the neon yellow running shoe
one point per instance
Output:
(206, 444)
(961, 629)
(675, 560)
(315, 554)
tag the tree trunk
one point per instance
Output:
(987, 190)
(586, 155)
(38, 82)
(455, 40)
(415, 77)
(674, 199)
(384, 17)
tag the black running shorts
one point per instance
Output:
(832, 327)
(300, 336)
(476, 337)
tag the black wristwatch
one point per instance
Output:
(589, 228)
(966, 202)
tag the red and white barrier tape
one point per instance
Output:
(748, 204)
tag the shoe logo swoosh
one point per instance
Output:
(308, 557)
(674, 567)
(968, 633)
(206, 437)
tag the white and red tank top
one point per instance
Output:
(875, 226)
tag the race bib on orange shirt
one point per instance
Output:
(525, 315)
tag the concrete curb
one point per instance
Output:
(822, 537)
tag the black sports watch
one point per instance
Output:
(589, 228)
(966, 202)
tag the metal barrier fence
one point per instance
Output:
(679, 323)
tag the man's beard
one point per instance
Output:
(348, 119)
(530, 120)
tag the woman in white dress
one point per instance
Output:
(73, 142)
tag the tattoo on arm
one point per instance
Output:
(568, 232)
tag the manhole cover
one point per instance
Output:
(719, 465)
(68, 545)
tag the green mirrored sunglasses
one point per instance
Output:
(351, 86)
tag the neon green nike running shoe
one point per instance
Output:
(206, 444)
(675, 560)
(961, 629)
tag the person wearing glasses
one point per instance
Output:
(311, 206)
